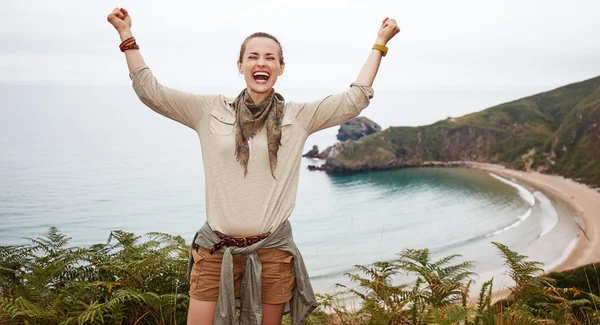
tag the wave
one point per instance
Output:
(549, 214)
(523, 192)
(564, 256)
(496, 232)
(514, 224)
(337, 271)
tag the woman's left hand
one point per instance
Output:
(388, 29)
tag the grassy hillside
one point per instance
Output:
(555, 132)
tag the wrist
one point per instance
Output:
(380, 41)
(125, 34)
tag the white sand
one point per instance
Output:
(581, 199)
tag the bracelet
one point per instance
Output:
(382, 48)
(129, 44)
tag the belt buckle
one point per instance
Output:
(242, 238)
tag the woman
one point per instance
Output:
(251, 147)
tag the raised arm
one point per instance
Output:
(183, 107)
(367, 74)
(338, 108)
(121, 21)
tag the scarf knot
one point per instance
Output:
(251, 118)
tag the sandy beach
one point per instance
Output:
(577, 197)
(574, 240)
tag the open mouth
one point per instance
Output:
(261, 77)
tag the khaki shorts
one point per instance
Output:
(277, 275)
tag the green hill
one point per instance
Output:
(553, 132)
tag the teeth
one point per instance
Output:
(260, 73)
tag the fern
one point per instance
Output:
(142, 280)
(129, 279)
(445, 284)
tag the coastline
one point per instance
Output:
(579, 214)
(583, 200)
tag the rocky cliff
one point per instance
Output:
(357, 128)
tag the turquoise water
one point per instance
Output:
(91, 160)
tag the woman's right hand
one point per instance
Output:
(120, 19)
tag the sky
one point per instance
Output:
(194, 44)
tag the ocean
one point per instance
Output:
(91, 159)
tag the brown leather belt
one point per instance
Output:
(236, 241)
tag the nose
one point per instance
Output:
(261, 61)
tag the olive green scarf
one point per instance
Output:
(250, 119)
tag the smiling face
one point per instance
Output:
(261, 62)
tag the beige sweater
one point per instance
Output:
(235, 205)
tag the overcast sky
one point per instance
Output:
(189, 44)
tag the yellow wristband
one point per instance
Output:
(381, 48)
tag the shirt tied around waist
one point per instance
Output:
(303, 301)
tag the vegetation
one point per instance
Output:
(141, 280)
(125, 281)
(554, 132)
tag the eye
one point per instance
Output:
(270, 58)
(252, 57)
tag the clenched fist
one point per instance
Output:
(388, 29)
(120, 19)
